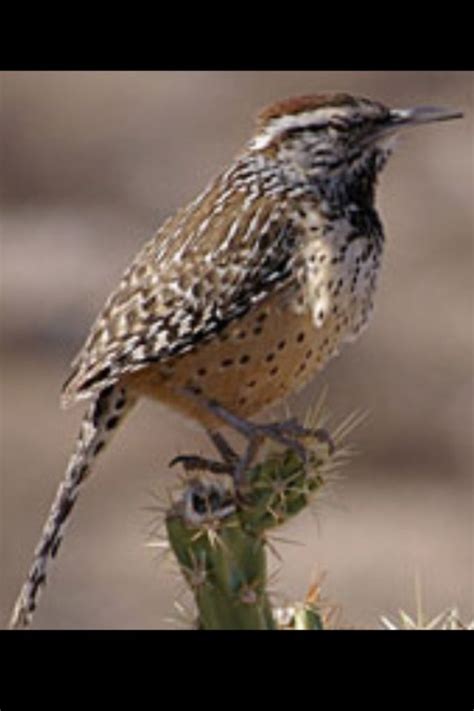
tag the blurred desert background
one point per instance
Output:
(91, 164)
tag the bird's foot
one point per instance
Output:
(288, 433)
(193, 462)
(226, 465)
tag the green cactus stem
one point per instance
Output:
(219, 539)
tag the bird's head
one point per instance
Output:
(335, 138)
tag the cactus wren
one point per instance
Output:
(244, 294)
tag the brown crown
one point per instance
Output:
(299, 104)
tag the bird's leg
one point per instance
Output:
(229, 455)
(230, 458)
(238, 465)
(287, 433)
(289, 430)
(246, 460)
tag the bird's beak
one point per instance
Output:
(400, 118)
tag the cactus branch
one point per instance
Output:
(219, 534)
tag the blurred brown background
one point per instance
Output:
(91, 164)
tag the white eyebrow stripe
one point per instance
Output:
(283, 123)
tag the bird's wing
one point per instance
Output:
(206, 266)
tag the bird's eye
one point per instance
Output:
(339, 124)
(298, 130)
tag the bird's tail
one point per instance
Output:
(97, 428)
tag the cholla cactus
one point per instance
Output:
(220, 541)
(220, 538)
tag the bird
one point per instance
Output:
(242, 296)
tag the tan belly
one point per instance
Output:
(254, 362)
